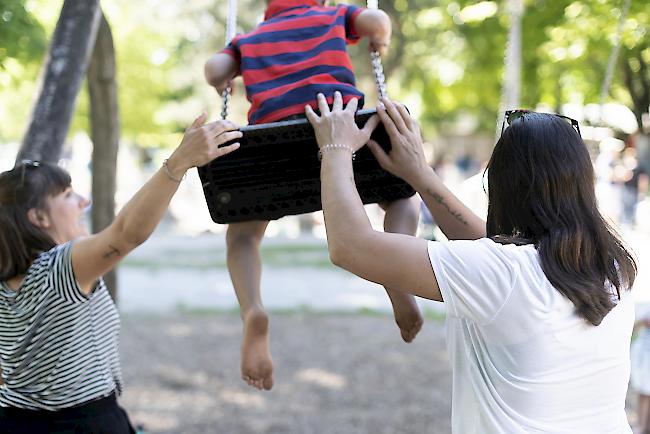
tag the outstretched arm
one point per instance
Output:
(95, 255)
(375, 25)
(393, 260)
(219, 69)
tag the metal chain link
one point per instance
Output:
(231, 28)
(380, 78)
(377, 67)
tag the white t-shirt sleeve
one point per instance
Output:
(475, 277)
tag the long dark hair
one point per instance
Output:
(541, 191)
(25, 187)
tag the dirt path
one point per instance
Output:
(335, 374)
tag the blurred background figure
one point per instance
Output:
(633, 179)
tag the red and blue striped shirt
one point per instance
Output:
(298, 51)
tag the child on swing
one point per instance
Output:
(298, 51)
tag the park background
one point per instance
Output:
(340, 364)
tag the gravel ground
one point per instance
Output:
(334, 374)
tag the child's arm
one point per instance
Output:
(375, 25)
(219, 69)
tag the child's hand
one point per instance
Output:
(379, 44)
(222, 88)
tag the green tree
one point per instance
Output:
(22, 35)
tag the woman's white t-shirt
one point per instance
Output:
(523, 360)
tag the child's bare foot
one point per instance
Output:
(407, 316)
(256, 363)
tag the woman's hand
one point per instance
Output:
(337, 127)
(202, 144)
(406, 158)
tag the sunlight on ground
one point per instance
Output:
(321, 378)
(243, 399)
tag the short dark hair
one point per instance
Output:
(541, 191)
(26, 186)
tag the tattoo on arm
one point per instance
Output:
(112, 250)
(439, 199)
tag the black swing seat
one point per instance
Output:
(276, 172)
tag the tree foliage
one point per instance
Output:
(22, 35)
(446, 59)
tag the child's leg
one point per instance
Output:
(402, 218)
(245, 267)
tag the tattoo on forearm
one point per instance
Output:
(457, 214)
(112, 251)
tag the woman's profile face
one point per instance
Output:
(66, 211)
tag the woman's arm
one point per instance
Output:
(406, 160)
(95, 255)
(393, 260)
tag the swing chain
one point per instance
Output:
(375, 58)
(231, 29)
(380, 78)
(225, 96)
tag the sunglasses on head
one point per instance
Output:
(512, 115)
(24, 164)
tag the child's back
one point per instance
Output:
(298, 51)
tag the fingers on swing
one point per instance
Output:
(395, 115)
(352, 105)
(322, 104)
(199, 120)
(338, 101)
(223, 150)
(388, 122)
(408, 119)
(220, 126)
(371, 123)
(226, 137)
(311, 115)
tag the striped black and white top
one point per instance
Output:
(58, 347)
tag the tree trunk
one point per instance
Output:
(66, 64)
(637, 82)
(105, 134)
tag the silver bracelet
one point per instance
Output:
(169, 173)
(335, 146)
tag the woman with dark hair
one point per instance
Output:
(58, 325)
(539, 315)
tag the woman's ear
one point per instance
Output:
(38, 218)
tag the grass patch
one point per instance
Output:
(280, 256)
(429, 315)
